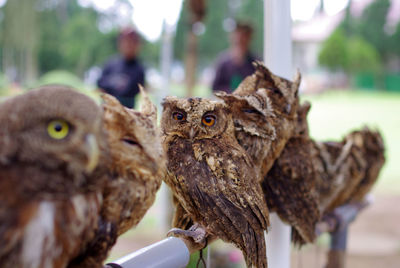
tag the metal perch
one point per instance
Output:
(175, 252)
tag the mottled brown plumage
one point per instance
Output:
(373, 148)
(50, 194)
(264, 109)
(289, 186)
(353, 166)
(212, 177)
(135, 174)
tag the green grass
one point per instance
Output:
(335, 113)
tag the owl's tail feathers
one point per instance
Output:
(254, 251)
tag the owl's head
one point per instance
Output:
(302, 123)
(195, 118)
(262, 98)
(252, 113)
(283, 93)
(133, 137)
(53, 127)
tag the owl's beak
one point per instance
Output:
(93, 152)
(193, 133)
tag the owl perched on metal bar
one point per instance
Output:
(52, 150)
(212, 177)
(135, 174)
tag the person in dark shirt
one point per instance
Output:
(122, 75)
(236, 63)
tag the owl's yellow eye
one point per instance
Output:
(179, 116)
(208, 120)
(58, 129)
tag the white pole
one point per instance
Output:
(278, 57)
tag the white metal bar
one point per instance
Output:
(278, 57)
(171, 252)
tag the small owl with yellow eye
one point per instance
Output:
(213, 178)
(52, 148)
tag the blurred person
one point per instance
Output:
(122, 75)
(236, 63)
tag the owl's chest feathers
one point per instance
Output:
(199, 170)
(40, 236)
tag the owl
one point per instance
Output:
(373, 149)
(274, 131)
(135, 174)
(52, 150)
(289, 186)
(353, 166)
(212, 177)
(264, 109)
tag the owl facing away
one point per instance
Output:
(212, 177)
(52, 149)
(135, 174)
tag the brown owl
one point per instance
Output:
(268, 120)
(289, 186)
(353, 166)
(212, 177)
(264, 109)
(51, 143)
(372, 146)
(135, 174)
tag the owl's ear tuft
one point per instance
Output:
(147, 107)
(296, 82)
(109, 100)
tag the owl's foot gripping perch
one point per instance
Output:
(196, 234)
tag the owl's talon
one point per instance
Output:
(195, 233)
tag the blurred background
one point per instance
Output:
(348, 52)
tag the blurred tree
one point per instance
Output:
(19, 40)
(214, 34)
(38, 36)
(215, 38)
(253, 11)
(350, 54)
(333, 53)
(362, 56)
(371, 26)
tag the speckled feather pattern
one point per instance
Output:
(135, 174)
(212, 177)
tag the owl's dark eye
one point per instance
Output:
(178, 116)
(130, 141)
(251, 111)
(208, 120)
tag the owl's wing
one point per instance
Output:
(181, 219)
(238, 205)
(289, 190)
